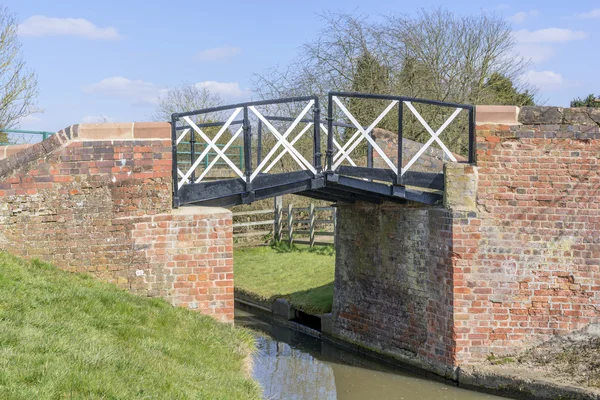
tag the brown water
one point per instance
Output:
(293, 365)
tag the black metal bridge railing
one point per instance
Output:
(356, 165)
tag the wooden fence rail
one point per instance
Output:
(289, 223)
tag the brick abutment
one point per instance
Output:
(509, 261)
(97, 199)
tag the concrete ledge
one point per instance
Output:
(502, 115)
(152, 130)
(9, 150)
(125, 130)
(520, 384)
(200, 211)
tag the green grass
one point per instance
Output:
(302, 275)
(68, 336)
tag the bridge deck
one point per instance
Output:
(343, 178)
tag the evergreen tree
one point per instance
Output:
(589, 101)
(503, 92)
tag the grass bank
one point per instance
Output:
(300, 274)
(69, 336)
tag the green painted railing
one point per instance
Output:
(45, 134)
(232, 153)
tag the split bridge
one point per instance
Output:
(356, 167)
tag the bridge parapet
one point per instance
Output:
(97, 198)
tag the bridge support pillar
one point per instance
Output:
(508, 262)
(394, 282)
(188, 259)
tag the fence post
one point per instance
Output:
(290, 224)
(277, 218)
(334, 216)
(312, 225)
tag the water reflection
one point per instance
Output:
(291, 365)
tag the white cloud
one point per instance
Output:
(39, 25)
(30, 122)
(218, 53)
(522, 16)
(535, 52)
(544, 79)
(227, 90)
(143, 92)
(595, 13)
(548, 35)
(96, 119)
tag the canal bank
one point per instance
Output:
(282, 320)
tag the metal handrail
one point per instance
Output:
(45, 134)
(246, 173)
(401, 100)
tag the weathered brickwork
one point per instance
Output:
(530, 264)
(187, 257)
(104, 207)
(393, 283)
(510, 264)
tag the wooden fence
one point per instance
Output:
(305, 225)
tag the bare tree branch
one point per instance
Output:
(18, 87)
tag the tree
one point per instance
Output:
(589, 101)
(504, 91)
(192, 97)
(434, 55)
(186, 97)
(457, 55)
(18, 86)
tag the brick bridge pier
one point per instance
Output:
(510, 260)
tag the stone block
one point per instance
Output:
(282, 308)
(326, 324)
(460, 186)
(108, 131)
(503, 115)
(152, 130)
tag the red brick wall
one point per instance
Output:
(191, 249)
(527, 266)
(393, 283)
(518, 245)
(104, 207)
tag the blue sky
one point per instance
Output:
(112, 58)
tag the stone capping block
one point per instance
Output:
(125, 130)
(538, 115)
(9, 150)
(503, 115)
(117, 130)
(152, 130)
(200, 212)
(460, 186)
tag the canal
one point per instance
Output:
(293, 365)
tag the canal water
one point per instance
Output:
(293, 365)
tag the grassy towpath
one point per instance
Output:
(68, 336)
(302, 275)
